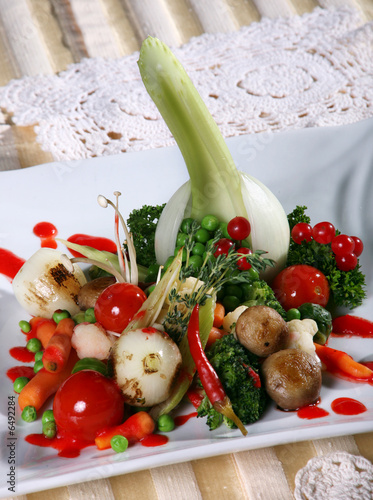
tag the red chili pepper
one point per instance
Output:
(255, 376)
(208, 376)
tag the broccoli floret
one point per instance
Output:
(233, 364)
(142, 224)
(347, 287)
(259, 293)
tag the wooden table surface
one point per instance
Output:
(60, 32)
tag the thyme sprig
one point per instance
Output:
(211, 277)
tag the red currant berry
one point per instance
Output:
(342, 244)
(346, 262)
(242, 263)
(223, 246)
(239, 228)
(301, 232)
(359, 246)
(323, 232)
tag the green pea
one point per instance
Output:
(152, 273)
(29, 414)
(186, 225)
(20, 383)
(202, 236)
(39, 355)
(47, 417)
(25, 326)
(232, 275)
(293, 314)
(34, 345)
(38, 366)
(79, 318)
(168, 262)
(234, 290)
(210, 222)
(149, 290)
(254, 275)
(198, 249)
(119, 443)
(195, 261)
(230, 302)
(183, 255)
(181, 239)
(165, 423)
(60, 314)
(49, 429)
(223, 228)
(89, 315)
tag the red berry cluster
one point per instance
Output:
(238, 229)
(345, 248)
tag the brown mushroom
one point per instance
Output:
(262, 330)
(89, 293)
(292, 378)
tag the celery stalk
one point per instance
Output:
(215, 181)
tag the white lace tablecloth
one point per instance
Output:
(277, 74)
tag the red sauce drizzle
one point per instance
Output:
(183, 419)
(349, 326)
(10, 263)
(67, 447)
(20, 371)
(368, 364)
(97, 242)
(347, 406)
(154, 440)
(47, 233)
(195, 397)
(311, 412)
(22, 354)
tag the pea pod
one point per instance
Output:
(90, 364)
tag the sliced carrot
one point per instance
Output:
(214, 335)
(341, 362)
(58, 349)
(219, 313)
(44, 384)
(136, 427)
(45, 330)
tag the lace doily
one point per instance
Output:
(314, 70)
(338, 476)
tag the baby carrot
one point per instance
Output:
(341, 362)
(215, 334)
(58, 349)
(219, 313)
(45, 330)
(44, 384)
(136, 427)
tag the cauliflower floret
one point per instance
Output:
(91, 341)
(230, 319)
(301, 332)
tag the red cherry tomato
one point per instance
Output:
(346, 262)
(359, 247)
(298, 284)
(323, 232)
(242, 263)
(223, 246)
(301, 232)
(239, 228)
(343, 244)
(86, 403)
(117, 305)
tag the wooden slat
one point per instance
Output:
(185, 18)
(303, 6)
(122, 29)
(95, 490)
(343, 443)
(176, 481)
(23, 38)
(50, 32)
(29, 151)
(219, 19)
(244, 11)
(365, 444)
(217, 478)
(8, 67)
(275, 8)
(127, 487)
(356, 4)
(54, 494)
(153, 17)
(293, 457)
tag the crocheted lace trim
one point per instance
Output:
(338, 476)
(309, 71)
